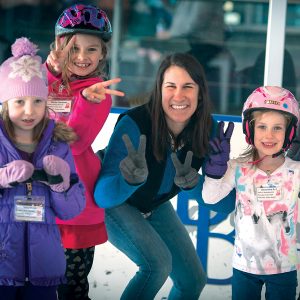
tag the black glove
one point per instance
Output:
(134, 166)
(294, 151)
(186, 176)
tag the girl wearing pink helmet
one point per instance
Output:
(79, 96)
(267, 183)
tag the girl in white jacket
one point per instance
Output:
(267, 185)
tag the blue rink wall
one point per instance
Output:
(212, 234)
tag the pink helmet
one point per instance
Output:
(81, 18)
(274, 98)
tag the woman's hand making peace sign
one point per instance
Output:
(186, 176)
(134, 166)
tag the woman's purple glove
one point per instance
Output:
(15, 172)
(53, 166)
(216, 165)
(186, 176)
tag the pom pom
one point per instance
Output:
(23, 46)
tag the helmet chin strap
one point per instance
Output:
(255, 162)
(278, 153)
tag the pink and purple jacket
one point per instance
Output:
(87, 119)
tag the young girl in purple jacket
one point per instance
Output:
(37, 181)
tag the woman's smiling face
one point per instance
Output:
(179, 98)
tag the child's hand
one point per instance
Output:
(57, 58)
(15, 172)
(186, 176)
(54, 166)
(216, 165)
(97, 92)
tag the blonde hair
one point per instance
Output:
(99, 72)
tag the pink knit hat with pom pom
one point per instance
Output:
(23, 74)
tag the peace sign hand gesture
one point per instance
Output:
(97, 92)
(57, 57)
(186, 177)
(134, 166)
(218, 157)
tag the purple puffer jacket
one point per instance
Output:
(32, 251)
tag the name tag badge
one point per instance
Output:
(269, 191)
(60, 104)
(29, 208)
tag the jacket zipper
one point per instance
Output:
(26, 240)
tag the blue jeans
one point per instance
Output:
(246, 286)
(160, 246)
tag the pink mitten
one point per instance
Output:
(15, 172)
(54, 165)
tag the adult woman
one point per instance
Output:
(135, 185)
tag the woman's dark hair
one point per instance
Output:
(196, 133)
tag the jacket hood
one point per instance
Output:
(63, 133)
